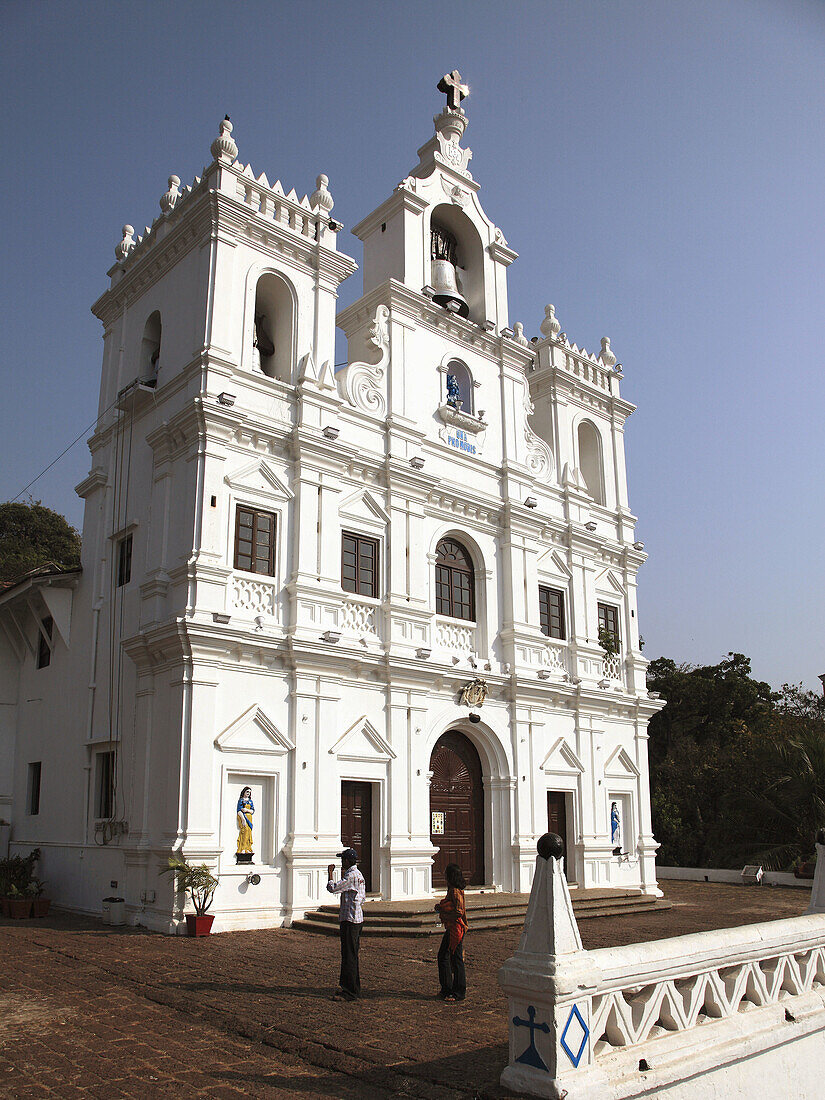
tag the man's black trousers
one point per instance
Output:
(350, 980)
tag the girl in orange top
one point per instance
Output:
(451, 972)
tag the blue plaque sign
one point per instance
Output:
(458, 439)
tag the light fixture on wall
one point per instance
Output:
(423, 652)
(428, 291)
(489, 326)
(417, 462)
(259, 622)
(227, 399)
(332, 636)
(638, 546)
(531, 502)
(254, 879)
(590, 525)
(474, 718)
(220, 617)
(508, 332)
(543, 674)
(605, 683)
(331, 432)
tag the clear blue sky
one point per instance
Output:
(659, 166)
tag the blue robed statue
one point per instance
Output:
(245, 811)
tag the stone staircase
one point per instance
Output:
(485, 909)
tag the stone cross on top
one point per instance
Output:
(452, 87)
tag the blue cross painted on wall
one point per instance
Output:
(531, 1056)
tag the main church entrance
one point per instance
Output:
(457, 808)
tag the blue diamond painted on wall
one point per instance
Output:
(578, 1030)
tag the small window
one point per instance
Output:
(44, 648)
(359, 564)
(551, 612)
(609, 623)
(255, 541)
(454, 581)
(124, 561)
(104, 784)
(33, 794)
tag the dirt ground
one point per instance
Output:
(92, 1011)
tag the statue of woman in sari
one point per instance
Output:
(245, 811)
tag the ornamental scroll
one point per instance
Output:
(539, 460)
(361, 383)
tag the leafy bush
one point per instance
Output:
(17, 873)
(197, 881)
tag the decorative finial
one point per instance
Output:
(452, 87)
(168, 200)
(320, 196)
(550, 325)
(223, 147)
(607, 356)
(518, 334)
(127, 244)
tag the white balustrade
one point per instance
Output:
(359, 618)
(254, 597)
(458, 636)
(676, 984)
(554, 658)
(612, 668)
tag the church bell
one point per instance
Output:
(444, 274)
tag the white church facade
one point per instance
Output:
(396, 601)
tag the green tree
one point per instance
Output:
(31, 536)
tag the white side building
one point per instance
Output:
(290, 574)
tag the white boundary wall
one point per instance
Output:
(731, 1013)
(720, 874)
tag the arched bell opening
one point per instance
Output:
(590, 459)
(150, 350)
(457, 263)
(272, 328)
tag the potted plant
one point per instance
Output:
(803, 868)
(200, 884)
(40, 905)
(19, 903)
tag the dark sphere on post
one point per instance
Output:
(820, 836)
(551, 844)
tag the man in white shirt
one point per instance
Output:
(350, 918)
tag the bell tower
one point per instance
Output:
(432, 234)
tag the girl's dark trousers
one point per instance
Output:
(451, 972)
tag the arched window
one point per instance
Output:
(590, 460)
(454, 581)
(461, 389)
(272, 328)
(150, 350)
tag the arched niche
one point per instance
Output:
(464, 379)
(150, 349)
(591, 462)
(272, 328)
(469, 256)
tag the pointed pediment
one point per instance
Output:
(254, 732)
(619, 765)
(59, 603)
(258, 477)
(362, 741)
(562, 759)
(551, 561)
(608, 581)
(363, 506)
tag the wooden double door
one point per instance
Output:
(457, 808)
(356, 824)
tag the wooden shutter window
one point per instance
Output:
(359, 564)
(454, 581)
(255, 541)
(551, 612)
(609, 621)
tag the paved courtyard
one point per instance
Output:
(91, 1011)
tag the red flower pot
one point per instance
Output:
(199, 925)
(20, 908)
(4, 907)
(40, 907)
